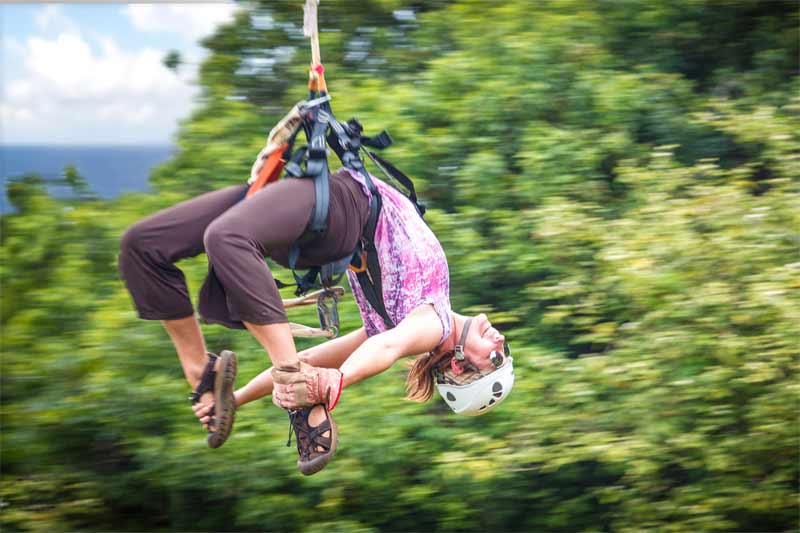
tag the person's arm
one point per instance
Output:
(300, 387)
(418, 333)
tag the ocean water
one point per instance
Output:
(109, 170)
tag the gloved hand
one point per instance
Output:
(278, 136)
(301, 386)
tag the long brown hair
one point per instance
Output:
(419, 383)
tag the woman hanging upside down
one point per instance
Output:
(465, 357)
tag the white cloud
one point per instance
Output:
(71, 93)
(51, 18)
(193, 21)
(79, 86)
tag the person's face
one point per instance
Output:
(482, 340)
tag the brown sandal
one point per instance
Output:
(314, 448)
(221, 384)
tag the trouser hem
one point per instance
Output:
(165, 316)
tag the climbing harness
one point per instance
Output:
(310, 161)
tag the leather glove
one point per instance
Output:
(279, 135)
(301, 386)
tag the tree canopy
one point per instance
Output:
(614, 182)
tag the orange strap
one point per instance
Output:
(270, 172)
(363, 267)
(316, 79)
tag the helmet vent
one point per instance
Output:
(497, 387)
(451, 397)
(491, 402)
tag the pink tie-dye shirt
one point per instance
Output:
(413, 265)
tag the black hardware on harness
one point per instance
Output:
(345, 139)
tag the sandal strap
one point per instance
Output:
(318, 439)
(206, 381)
(298, 421)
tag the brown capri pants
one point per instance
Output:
(236, 237)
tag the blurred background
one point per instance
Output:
(614, 182)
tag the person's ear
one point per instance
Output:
(457, 366)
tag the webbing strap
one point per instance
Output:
(346, 141)
(335, 268)
(316, 156)
(347, 144)
(370, 279)
(394, 172)
(329, 274)
(317, 168)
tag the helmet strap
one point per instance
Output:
(459, 350)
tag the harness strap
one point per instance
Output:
(345, 139)
(316, 157)
(323, 130)
(317, 168)
(370, 278)
(394, 172)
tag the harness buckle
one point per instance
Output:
(459, 353)
(362, 267)
(307, 105)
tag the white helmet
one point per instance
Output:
(483, 394)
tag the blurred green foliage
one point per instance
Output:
(615, 182)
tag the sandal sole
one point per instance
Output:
(224, 401)
(315, 465)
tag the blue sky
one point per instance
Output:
(92, 73)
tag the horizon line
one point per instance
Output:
(83, 145)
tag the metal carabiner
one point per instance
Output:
(328, 316)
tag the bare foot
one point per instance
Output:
(315, 418)
(202, 409)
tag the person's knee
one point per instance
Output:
(131, 250)
(131, 242)
(308, 356)
(142, 244)
(221, 239)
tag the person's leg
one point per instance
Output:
(277, 341)
(266, 225)
(236, 244)
(148, 253)
(191, 347)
